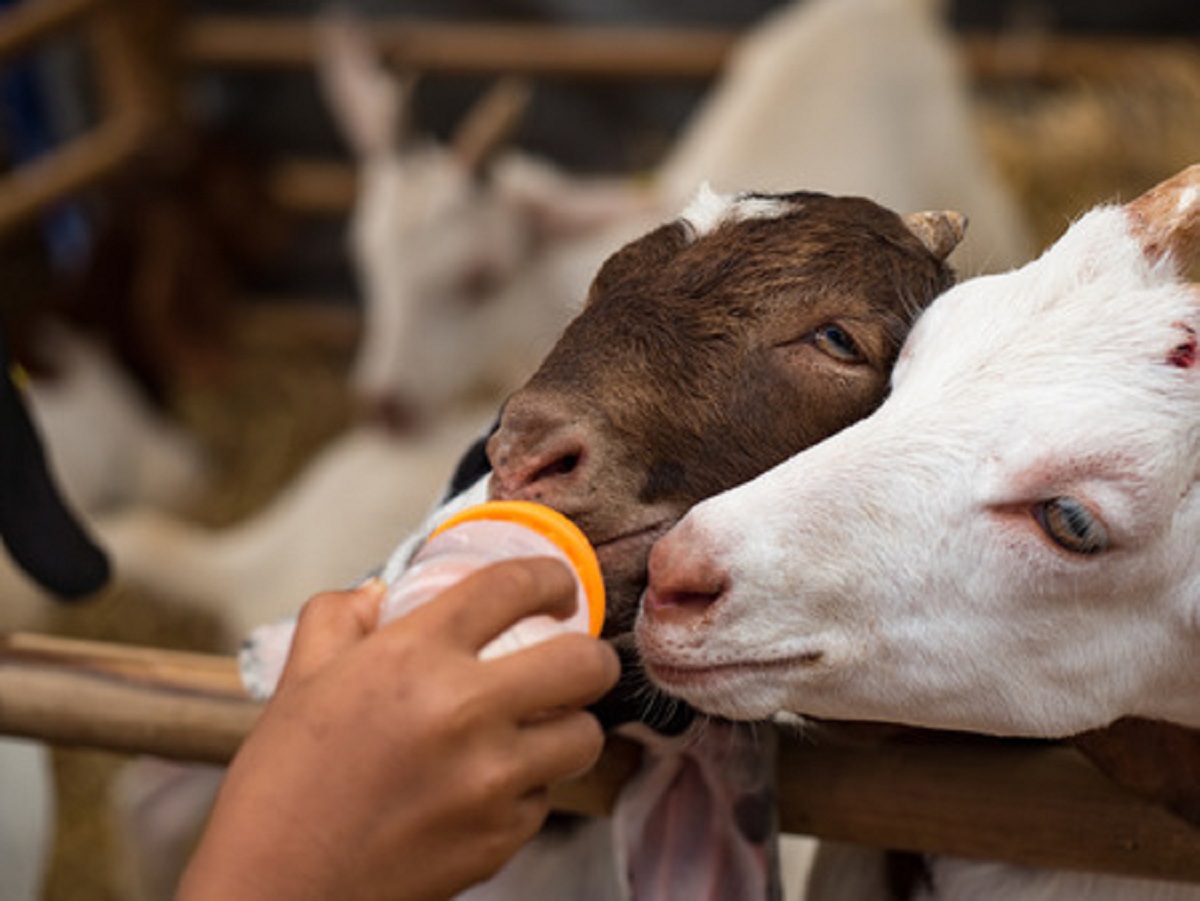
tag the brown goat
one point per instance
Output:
(710, 350)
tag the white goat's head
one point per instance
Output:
(442, 249)
(1008, 545)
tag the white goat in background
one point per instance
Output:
(843, 96)
(1007, 546)
(862, 97)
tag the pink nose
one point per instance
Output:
(685, 579)
(539, 453)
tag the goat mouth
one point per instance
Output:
(676, 677)
(643, 535)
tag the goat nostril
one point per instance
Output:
(539, 472)
(560, 466)
(679, 606)
(685, 583)
(681, 602)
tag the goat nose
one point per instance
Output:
(685, 581)
(538, 453)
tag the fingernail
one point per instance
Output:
(373, 585)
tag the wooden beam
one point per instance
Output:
(1036, 805)
(635, 52)
(83, 162)
(26, 24)
(313, 187)
(166, 703)
(1032, 804)
(469, 49)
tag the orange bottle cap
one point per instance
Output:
(551, 524)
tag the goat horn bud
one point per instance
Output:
(939, 230)
(1166, 219)
(490, 121)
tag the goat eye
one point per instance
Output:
(834, 341)
(1071, 525)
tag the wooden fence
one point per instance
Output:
(1035, 804)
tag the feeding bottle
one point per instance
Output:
(503, 530)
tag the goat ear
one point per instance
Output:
(1158, 760)
(1166, 219)
(559, 205)
(490, 122)
(368, 102)
(940, 231)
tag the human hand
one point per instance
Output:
(393, 763)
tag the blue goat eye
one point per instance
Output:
(837, 343)
(1071, 525)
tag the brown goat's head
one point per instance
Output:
(710, 350)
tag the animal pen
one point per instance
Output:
(1030, 803)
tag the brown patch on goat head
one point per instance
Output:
(1166, 219)
(703, 360)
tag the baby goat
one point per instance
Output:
(1007, 546)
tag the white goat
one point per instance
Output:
(467, 280)
(1007, 546)
(851, 97)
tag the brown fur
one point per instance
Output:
(694, 367)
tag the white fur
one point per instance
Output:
(330, 527)
(26, 818)
(904, 545)
(853, 97)
(897, 572)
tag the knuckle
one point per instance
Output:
(322, 607)
(515, 578)
(586, 740)
(493, 782)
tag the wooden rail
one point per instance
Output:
(632, 52)
(134, 107)
(27, 24)
(466, 49)
(1035, 805)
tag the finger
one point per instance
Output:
(567, 671)
(329, 624)
(559, 748)
(474, 611)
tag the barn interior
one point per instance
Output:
(178, 189)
